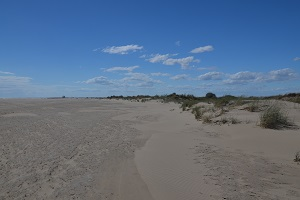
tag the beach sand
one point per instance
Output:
(115, 149)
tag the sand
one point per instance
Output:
(115, 149)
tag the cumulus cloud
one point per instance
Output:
(297, 58)
(211, 76)
(139, 80)
(122, 49)
(167, 60)
(202, 49)
(158, 58)
(101, 80)
(128, 69)
(183, 62)
(6, 73)
(285, 74)
(243, 77)
(160, 74)
(180, 77)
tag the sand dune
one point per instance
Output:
(110, 149)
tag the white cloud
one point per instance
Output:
(183, 62)
(97, 49)
(297, 58)
(158, 58)
(128, 69)
(14, 86)
(101, 80)
(160, 74)
(202, 49)
(211, 76)
(13, 80)
(177, 43)
(6, 73)
(180, 77)
(138, 80)
(243, 77)
(206, 68)
(122, 49)
(285, 74)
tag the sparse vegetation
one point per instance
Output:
(297, 157)
(207, 119)
(274, 118)
(234, 120)
(224, 120)
(199, 111)
(188, 104)
(253, 106)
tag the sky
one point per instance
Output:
(86, 48)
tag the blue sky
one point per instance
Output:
(101, 48)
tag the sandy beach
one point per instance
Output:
(122, 150)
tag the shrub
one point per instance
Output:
(207, 119)
(198, 112)
(274, 118)
(188, 104)
(210, 95)
(234, 120)
(224, 120)
(297, 157)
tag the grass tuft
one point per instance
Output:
(274, 118)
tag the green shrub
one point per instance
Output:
(274, 118)
(198, 112)
(188, 104)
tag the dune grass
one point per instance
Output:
(274, 117)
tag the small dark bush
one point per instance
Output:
(210, 95)
(297, 157)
